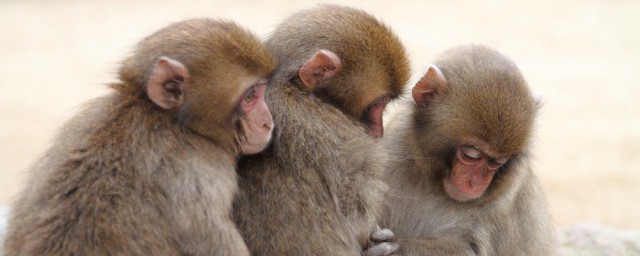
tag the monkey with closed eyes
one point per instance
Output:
(461, 182)
(318, 189)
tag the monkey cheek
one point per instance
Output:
(256, 138)
(375, 125)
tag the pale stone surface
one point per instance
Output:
(4, 212)
(575, 240)
(595, 240)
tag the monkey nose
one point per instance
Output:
(267, 120)
(268, 124)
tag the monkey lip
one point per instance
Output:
(460, 193)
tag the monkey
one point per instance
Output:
(150, 168)
(317, 189)
(459, 173)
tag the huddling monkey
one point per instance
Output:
(150, 169)
(318, 190)
(460, 178)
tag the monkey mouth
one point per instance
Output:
(464, 185)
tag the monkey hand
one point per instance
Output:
(382, 242)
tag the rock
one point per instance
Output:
(576, 240)
(4, 214)
(595, 240)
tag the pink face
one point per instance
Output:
(256, 123)
(471, 173)
(374, 119)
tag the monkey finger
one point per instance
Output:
(383, 235)
(383, 249)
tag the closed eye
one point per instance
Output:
(471, 152)
(497, 163)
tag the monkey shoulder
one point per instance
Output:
(91, 181)
(517, 224)
(319, 158)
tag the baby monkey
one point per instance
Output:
(150, 169)
(461, 181)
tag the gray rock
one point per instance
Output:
(576, 240)
(4, 214)
(595, 240)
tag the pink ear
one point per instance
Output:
(431, 84)
(168, 83)
(322, 66)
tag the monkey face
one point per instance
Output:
(471, 173)
(255, 124)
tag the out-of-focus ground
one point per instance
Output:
(583, 56)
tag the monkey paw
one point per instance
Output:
(382, 242)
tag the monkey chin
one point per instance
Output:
(247, 149)
(462, 192)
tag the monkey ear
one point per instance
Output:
(168, 83)
(431, 84)
(322, 66)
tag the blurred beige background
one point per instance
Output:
(582, 56)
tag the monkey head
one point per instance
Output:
(210, 76)
(346, 57)
(476, 113)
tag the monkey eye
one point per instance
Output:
(250, 95)
(497, 163)
(471, 153)
(501, 161)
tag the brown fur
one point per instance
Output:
(125, 177)
(317, 190)
(374, 60)
(486, 98)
